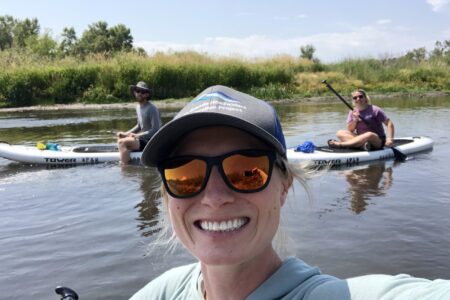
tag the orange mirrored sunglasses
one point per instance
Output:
(244, 171)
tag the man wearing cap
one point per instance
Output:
(148, 122)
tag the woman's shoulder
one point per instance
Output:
(297, 280)
(177, 280)
(375, 108)
(399, 287)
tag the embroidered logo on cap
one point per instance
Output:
(220, 95)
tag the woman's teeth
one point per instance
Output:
(229, 225)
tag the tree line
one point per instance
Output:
(418, 55)
(25, 35)
(98, 38)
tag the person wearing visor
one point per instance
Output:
(148, 122)
(365, 126)
(222, 160)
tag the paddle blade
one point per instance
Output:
(398, 155)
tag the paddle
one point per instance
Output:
(398, 155)
(66, 293)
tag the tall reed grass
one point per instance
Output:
(98, 79)
(29, 79)
(399, 75)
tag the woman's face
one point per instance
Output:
(359, 99)
(251, 219)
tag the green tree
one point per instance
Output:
(43, 45)
(24, 30)
(68, 42)
(98, 38)
(95, 39)
(120, 37)
(140, 51)
(441, 49)
(307, 52)
(7, 24)
(417, 55)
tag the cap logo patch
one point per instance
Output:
(220, 95)
(217, 102)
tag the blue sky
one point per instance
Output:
(337, 29)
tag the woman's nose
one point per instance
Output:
(217, 193)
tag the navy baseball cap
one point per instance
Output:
(217, 106)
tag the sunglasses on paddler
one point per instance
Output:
(138, 91)
(244, 171)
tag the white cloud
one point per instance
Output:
(438, 5)
(368, 41)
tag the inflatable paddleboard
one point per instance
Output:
(79, 155)
(324, 155)
(95, 154)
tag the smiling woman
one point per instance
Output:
(223, 163)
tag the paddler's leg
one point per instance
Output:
(359, 140)
(345, 135)
(126, 145)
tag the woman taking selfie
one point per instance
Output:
(225, 175)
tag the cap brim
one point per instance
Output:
(161, 144)
(133, 87)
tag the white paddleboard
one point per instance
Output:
(94, 154)
(323, 156)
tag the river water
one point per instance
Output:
(88, 227)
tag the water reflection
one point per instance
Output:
(367, 183)
(148, 208)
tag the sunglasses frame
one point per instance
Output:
(142, 92)
(358, 97)
(218, 162)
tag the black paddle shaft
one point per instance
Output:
(337, 94)
(343, 100)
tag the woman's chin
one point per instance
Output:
(221, 259)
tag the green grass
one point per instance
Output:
(30, 80)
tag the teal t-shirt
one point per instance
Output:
(296, 280)
(293, 280)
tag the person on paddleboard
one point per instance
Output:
(225, 178)
(148, 122)
(365, 126)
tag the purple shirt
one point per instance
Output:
(374, 117)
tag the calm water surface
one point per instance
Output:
(88, 227)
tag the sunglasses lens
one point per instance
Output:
(185, 177)
(247, 173)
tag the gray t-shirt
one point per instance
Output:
(148, 121)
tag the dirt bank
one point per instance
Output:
(82, 106)
(180, 103)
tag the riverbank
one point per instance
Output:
(102, 80)
(179, 103)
